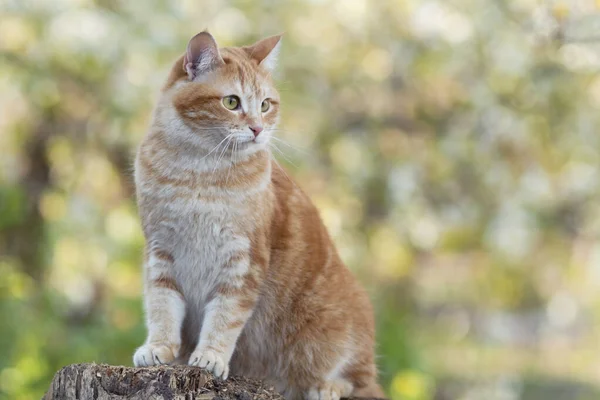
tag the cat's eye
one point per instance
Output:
(266, 104)
(231, 102)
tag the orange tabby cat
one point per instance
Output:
(240, 272)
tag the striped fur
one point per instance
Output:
(240, 272)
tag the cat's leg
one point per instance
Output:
(332, 385)
(337, 367)
(362, 373)
(330, 390)
(348, 368)
(224, 318)
(165, 311)
(316, 370)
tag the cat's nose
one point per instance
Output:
(256, 129)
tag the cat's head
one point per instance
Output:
(226, 97)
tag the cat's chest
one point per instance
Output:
(209, 235)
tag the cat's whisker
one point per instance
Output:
(299, 149)
(225, 147)
(289, 132)
(285, 173)
(231, 160)
(222, 154)
(274, 146)
(235, 154)
(216, 147)
(281, 168)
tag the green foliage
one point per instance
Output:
(12, 200)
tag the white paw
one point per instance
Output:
(329, 391)
(210, 361)
(154, 354)
(322, 393)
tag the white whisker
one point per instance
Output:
(222, 153)
(285, 173)
(217, 146)
(231, 161)
(274, 146)
(235, 154)
(290, 145)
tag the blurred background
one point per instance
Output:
(452, 147)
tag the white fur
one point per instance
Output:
(200, 230)
(211, 361)
(166, 330)
(201, 235)
(203, 242)
(270, 61)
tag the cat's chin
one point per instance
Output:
(249, 147)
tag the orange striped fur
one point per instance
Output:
(240, 272)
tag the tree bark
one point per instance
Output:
(103, 382)
(179, 382)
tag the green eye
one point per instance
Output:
(231, 102)
(264, 107)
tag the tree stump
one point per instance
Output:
(181, 382)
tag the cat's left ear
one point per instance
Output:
(202, 55)
(265, 52)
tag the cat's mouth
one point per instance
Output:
(239, 143)
(244, 141)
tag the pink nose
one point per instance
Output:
(256, 130)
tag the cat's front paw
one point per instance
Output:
(155, 354)
(211, 361)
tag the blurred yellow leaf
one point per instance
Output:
(394, 259)
(14, 283)
(53, 206)
(411, 385)
(122, 225)
(16, 33)
(560, 11)
(377, 64)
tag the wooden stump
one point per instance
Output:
(103, 382)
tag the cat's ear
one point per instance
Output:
(202, 55)
(265, 52)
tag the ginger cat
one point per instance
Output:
(240, 273)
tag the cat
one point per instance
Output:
(240, 273)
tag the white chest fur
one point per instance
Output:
(207, 235)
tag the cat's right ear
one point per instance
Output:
(202, 55)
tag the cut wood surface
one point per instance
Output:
(180, 382)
